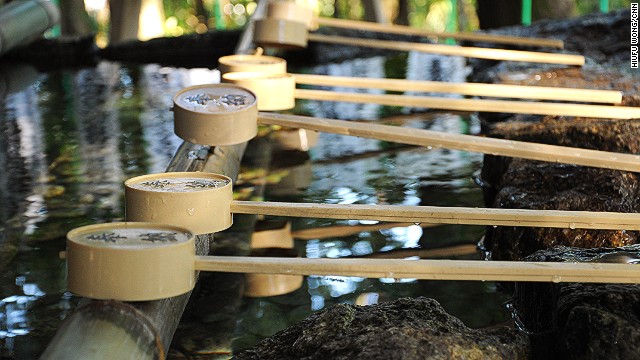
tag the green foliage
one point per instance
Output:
(591, 6)
(190, 16)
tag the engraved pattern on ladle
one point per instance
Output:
(159, 237)
(106, 237)
(201, 184)
(156, 184)
(224, 100)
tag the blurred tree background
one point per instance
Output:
(116, 20)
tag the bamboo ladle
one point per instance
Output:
(289, 10)
(278, 92)
(472, 89)
(293, 35)
(196, 124)
(407, 30)
(203, 203)
(275, 239)
(274, 65)
(451, 50)
(133, 261)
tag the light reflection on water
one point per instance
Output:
(83, 132)
(68, 140)
(347, 170)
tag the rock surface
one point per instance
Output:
(582, 321)
(603, 40)
(523, 184)
(403, 329)
(570, 321)
(574, 321)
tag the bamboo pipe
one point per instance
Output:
(428, 269)
(200, 125)
(160, 317)
(445, 215)
(505, 106)
(407, 30)
(24, 21)
(471, 52)
(436, 139)
(473, 89)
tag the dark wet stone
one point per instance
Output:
(615, 78)
(523, 184)
(581, 321)
(569, 321)
(602, 39)
(403, 329)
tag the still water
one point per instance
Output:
(70, 138)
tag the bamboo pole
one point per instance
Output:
(473, 89)
(505, 106)
(436, 139)
(95, 331)
(429, 269)
(472, 52)
(24, 21)
(407, 30)
(446, 215)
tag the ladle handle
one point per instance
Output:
(426, 269)
(505, 106)
(445, 215)
(473, 89)
(472, 52)
(407, 30)
(437, 139)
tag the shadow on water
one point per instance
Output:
(70, 138)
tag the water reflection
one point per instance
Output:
(371, 67)
(69, 139)
(347, 170)
(411, 66)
